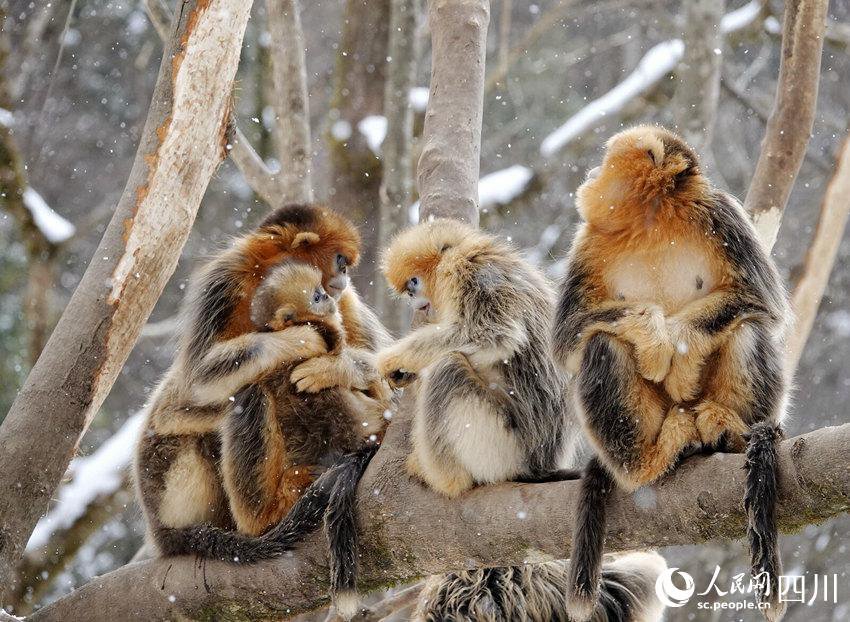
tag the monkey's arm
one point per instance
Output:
(419, 349)
(580, 314)
(353, 368)
(230, 365)
(701, 328)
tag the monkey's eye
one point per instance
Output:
(341, 264)
(412, 285)
(317, 296)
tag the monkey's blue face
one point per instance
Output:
(339, 281)
(415, 289)
(321, 303)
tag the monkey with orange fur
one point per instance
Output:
(672, 318)
(177, 464)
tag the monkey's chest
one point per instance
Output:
(670, 277)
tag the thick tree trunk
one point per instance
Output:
(292, 125)
(183, 142)
(397, 174)
(790, 124)
(451, 139)
(698, 91)
(408, 531)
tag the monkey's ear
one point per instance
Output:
(285, 314)
(651, 155)
(305, 238)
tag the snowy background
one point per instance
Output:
(574, 72)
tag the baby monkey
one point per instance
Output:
(279, 439)
(672, 317)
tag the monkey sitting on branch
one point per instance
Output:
(672, 318)
(178, 474)
(491, 407)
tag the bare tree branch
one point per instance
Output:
(292, 125)
(257, 175)
(397, 174)
(451, 139)
(698, 92)
(182, 144)
(409, 531)
(820, 256)
(790, 124)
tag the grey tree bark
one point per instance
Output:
(257, 175)
(408, 531)
(292, 123)
(451, 139)
(820, 256)
(698, 92)
(397, 173)
(182, 144)
(790, 124)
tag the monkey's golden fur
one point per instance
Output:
(177, 467)
(672, 318)
(278, 440)
(653, 263)
(492, 406)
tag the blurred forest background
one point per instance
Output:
(75, 85)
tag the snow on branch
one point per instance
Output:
(502, 187)
(52, 226)
(659, 61)
(92, 477)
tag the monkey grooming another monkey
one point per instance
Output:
(492, 407)
(672, 318)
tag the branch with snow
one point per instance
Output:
(53, 226)
(658, 62)
(91, 477)
(790, 123)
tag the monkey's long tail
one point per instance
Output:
(303, 519)
(588, 542)
(760, 499)
(535, 592)
(341, 531)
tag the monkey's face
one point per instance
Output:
(320, 303)
(415, 290)
(644, 170)
(338, 279)
(414, 261)
(319, 237)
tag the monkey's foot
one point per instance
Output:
(677, 437)
(683, 382)
(449, 483)
(713, 420)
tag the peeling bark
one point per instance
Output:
(790, 124)
(257, 175)
(451, 139)
(182, 145)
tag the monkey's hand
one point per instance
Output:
(320, 372)
(644, 327)
(691, 350)
(352, 368)
(393, 365)
(298, 342)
